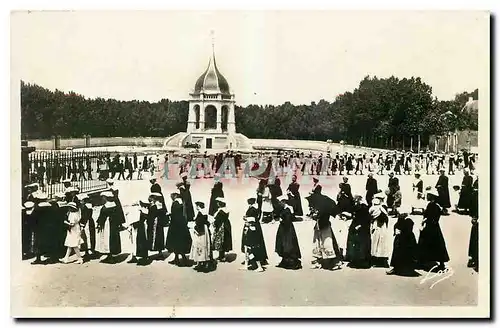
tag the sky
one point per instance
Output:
(268, 57)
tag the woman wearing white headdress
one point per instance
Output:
(380, 235)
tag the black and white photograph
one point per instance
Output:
(188, 164)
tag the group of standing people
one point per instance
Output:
(56, 228)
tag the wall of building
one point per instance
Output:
(466, 140)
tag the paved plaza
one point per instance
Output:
(162, 284)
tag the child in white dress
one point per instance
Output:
(73, 235)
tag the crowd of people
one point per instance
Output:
(55, 228)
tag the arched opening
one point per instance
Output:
(224, 117)
(197, 116)
(210, 117)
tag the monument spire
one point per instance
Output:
(212, 34)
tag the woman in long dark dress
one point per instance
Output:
(344, 197)
(326, 252)
(185, 192)
(141, 240)
(371, 188)
(178, 236)
(358, 238)
(431, 243)
(404, 255)
(217, 192)
(254, 249)
(222, 239)
(253, 212)
(156, 222)
(443, 192)
(287, 244)
(109, 225)
(466, 190)
(294, 197)
(474, 232)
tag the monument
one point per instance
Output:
(211, 120)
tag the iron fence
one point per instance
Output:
(50, 168)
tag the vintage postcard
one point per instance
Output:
(250, 164)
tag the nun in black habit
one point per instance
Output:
(287, 244)
(431, 244)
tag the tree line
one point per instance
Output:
(388, 112)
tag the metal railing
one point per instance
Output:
(50, 168)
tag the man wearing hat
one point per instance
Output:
(444, 191)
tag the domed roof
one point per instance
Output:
(471, 107)
(212, 81)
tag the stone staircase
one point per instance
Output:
(175, 140)
(242, 142)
